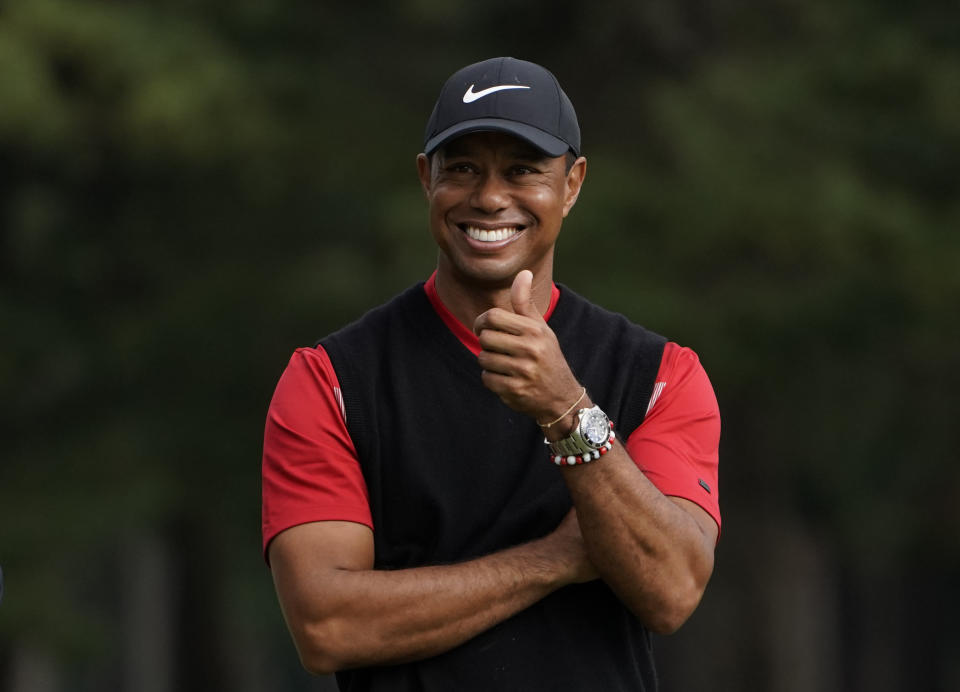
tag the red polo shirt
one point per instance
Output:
(310, 466)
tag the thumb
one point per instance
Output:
(521, 295)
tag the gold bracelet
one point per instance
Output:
(567, 412)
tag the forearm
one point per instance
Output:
(345, 618)
(649, 550)
(656, 553)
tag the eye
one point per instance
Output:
(523, 169)
(461, 167)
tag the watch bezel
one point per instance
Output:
(577, 442)
(586, 421)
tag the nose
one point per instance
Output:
(490, 194)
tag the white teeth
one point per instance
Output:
(490, 236)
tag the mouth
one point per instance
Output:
(490, 235)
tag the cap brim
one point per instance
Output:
(548, 144)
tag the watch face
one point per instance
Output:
(595, 427)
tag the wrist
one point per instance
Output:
(551, 553)
(561, 410)
(591, 437)
(565, 426)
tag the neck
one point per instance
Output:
(468, 300)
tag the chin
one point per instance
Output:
(487, 277)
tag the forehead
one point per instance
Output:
(498, 143)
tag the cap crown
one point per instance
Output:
(505, 95)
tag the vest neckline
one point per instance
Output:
(463, 333)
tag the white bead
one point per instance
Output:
(571, 461)
(558, 460)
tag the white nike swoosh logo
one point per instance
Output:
(470, 95)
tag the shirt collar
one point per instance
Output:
(460, 330)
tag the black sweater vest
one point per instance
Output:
(453, 474)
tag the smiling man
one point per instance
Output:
(490, 482)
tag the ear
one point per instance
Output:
(424, 172)
(575, 178)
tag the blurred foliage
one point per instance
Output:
(189, 190)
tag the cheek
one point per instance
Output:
(439, 207)
(548, 203)
(442, 201)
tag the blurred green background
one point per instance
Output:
(191, 189)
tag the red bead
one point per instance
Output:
(603, 450)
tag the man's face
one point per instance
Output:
(496, 206)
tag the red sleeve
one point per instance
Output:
(310, 466)
(677, 445)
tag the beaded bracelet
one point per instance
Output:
(588, 456)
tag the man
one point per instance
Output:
(420, 533)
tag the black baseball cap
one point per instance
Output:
(505, 95)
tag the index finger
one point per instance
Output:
(501, 320)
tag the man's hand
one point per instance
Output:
(521, 358)
(567, 540)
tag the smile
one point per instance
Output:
(490, 235)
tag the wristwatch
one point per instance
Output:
(592, 436)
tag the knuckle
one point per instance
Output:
(493, 315)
